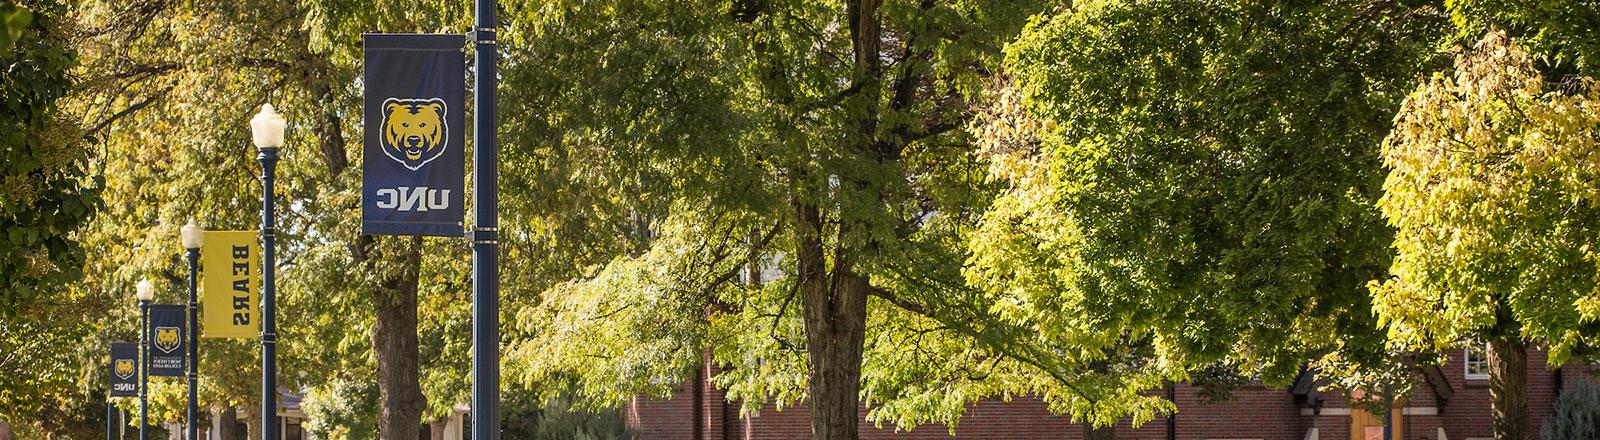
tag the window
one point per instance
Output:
(1476, 361)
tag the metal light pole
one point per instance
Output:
(145, 292)
(485, 234)
(192, 236)
(111, 418)
(267, 132)
(1388, 415)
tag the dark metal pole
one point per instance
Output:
(1388, 415)
(485, 234)
(144, 368)
(111, 418)
(194, 343)
(269, 330)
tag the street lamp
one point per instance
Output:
(144, 292)
(192, 236)
(266, 129)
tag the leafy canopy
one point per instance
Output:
(1492, 192)
(1200, 187)
(47, 191)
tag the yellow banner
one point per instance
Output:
(232, 281)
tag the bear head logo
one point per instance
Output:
(124, 368)
(167, 338)
(414, 131)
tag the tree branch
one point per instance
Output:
(102, 125)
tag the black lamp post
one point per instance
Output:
(192, 236)
(485, 232)
(267, 132)
(145, 292)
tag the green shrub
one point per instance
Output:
(524, 416)
(1577, 414)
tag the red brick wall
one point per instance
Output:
(663, 419)
(675, 418)
(1467, 413)
(1255, 413)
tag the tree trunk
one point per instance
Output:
(436, 429)
(698, 389)
(225, 422)
(252, 423)
(834, 302)
(834, 336)
(1092, 433)
(1508, 388)
(394, 342)
(835, 320)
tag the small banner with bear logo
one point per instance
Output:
(232, 275)
(414, 128)
(124, 369)
(166, 340)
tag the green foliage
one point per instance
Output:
(643, 349)
(1151, 191)
(46, 193)
(14, 19)
(167, 90)
(343, 409)
(1217, 382)
(700, 133)
(1200, 184)
(1559, 33)
(1492, 190)
(558, 419)
(1577, 415)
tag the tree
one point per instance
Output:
(46, 192)
(1491, 191)
(1198, 185)
(816, 143)
(1556, 32)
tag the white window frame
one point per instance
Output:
(1466, 363)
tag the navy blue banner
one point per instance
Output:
(124, 369)
(414, 133)
(167, 336)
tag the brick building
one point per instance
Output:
(1451, 402)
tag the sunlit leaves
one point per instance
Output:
(1559, 33)
(661, 132)
(47, 192)
(637, 325)
(1492, 191)
(168, 89)
(1199, 187)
